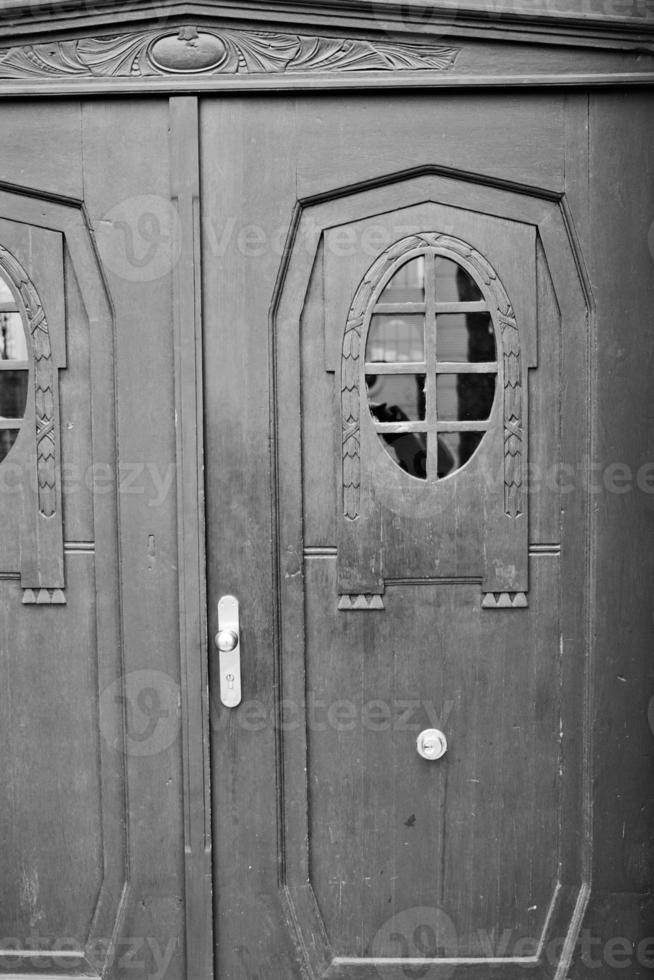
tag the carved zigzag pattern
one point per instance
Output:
(43, 383)
(513, 429)
(351, 407)
(44, 597)
(360, 603)
(505, 600)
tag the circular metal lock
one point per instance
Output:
(431, 744)
(226, 640)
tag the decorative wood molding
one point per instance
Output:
(513, 428)
(44, 381)
(44, 597)
(509, 336)
(41, 525)
(593, 22)
(360, 603)
(505, 600)
(190, 50)
(350, 368)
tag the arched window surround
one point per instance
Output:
(42, 367)
(353, 398)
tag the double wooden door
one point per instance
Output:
(376, 364)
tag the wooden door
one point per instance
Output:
(351, 322)
(397, 378)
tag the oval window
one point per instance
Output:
(431, 366)
(14, 368)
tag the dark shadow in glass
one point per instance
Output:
(408, 450)
(454, 285)
(455, 449)
(13, 344)
(464, 397)
(7, 439)
(396, 397)
(465, 337)
(13, 394)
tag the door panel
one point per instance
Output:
(380, 854)
(91, 822)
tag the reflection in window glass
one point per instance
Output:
(421, 340)
(13, 344)
(393, 338)
(14, 369)
(455, 449)
(465, 337)
(407, 285)
(7, 439)
(454, 285)
(464, 397)
(409, 451)
(396, 397)
(6, 295)
(13, 394)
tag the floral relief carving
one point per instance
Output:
(190, 50)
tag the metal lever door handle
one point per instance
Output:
(228, 644)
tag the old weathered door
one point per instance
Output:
(397, 381)
(345, 320)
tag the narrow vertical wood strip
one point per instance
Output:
(187, 316)
(430, 341)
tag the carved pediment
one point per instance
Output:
(191, 50)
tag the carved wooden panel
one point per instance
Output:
(501, 492)
(35, 460)
(190, 50)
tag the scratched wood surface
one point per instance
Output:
(378, 829)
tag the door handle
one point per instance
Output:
(228, 644)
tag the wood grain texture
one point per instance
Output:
(148, 588)
(246, 209)
(187, 324)
(351, 661)
(618, 228)
(592, 24)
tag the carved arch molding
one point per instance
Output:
(501, 534)
(354, 339)
(383, 518)
(31, 506)
(39, 241)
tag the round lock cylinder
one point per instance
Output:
(431, 744)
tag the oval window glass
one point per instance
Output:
(431, 366)
(14, 369)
